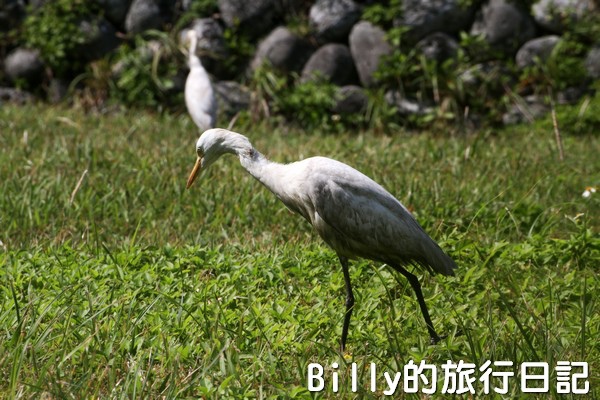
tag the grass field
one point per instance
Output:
(116, 282)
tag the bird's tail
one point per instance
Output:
(437, 260)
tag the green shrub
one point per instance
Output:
(582, 118)
(204, 8)
(198, 9)
(308, 104)
(382, 14)
(53, 30)
(239, 48)
(145, 77)
(564, 68)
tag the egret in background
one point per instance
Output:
(200, 97)
(351, 212)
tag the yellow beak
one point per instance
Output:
(194, 173)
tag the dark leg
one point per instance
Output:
(349, 300)
(414, 282)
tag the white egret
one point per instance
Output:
(200, 97)
(351, 212)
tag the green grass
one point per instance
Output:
(129, 286)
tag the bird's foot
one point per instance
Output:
(345, 353)
(435, 339)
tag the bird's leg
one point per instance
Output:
(414, 282)
(349, 300)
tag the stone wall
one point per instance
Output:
(339, 46)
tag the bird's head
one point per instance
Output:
(194, 45)
(190, 34)
(211, 145)
(188, 43)
(189, 38)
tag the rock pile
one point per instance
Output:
(340, 46)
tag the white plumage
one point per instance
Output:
(200, 97)
(351, 212)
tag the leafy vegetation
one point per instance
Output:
(203, 8)
(307, 105)
(118, 283)
(240, 50)
(54, 30)
(382, 14)
(146, 71)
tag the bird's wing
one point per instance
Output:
(358, 217)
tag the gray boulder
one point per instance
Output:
(536, 50)
(553, 15)
(368, 45)
(438, 46)
(529, 109)
(232, 97)
(12, 13)
(406, 106)
(143, 15)
(504, 25)
(253, 18)
(100, 38)
(283, 50)
(115, 11)
(331, 20)
(592, 63)
(423, 17)
(350, 99)
(16, 96)
(333, 63)
(24, 65)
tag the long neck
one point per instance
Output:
(274, 176)
(269, 173)
(193, 59)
